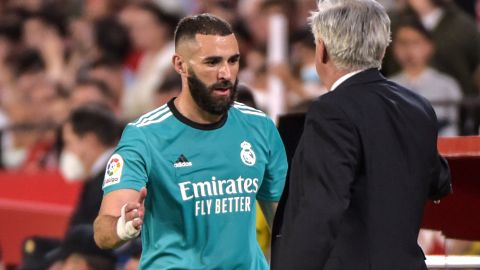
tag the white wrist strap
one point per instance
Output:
(125, 230)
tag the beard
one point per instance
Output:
(206, 100)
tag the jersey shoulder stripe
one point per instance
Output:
(154, 116)
(248, 110)
(157, 117)
(148, 114)
(253, 113)
(242, 106)
(155, 121)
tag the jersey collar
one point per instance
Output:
(193, 124)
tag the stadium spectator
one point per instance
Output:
(457, 55)
(98, 9)
(44, 32)
(35, 252)
(151, 31)
(91, 91)
(112, 73)
(78, 251)
(111, 39)
(89, 135)
(413, 49)
(29, 143)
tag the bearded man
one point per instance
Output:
(203, 158)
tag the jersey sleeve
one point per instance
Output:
(128, 166)
(276, 169)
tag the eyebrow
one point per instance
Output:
(213, 59)
(234, 57)
(219, 58)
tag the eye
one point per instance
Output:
(212, 62)
(233, 60)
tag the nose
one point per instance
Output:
(224, 73)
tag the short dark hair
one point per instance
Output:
(96, 119)
(111, 37)
(158, 13)
(10, 27)
(79, 240)
(205, 24)
(101, 86)
(303, 36)
(27, 61)
(104, 62)
(413, 22)
(99, 262)
(50, 17)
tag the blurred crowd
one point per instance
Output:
(56, 56)
(66, 62)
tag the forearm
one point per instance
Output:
(105, 232)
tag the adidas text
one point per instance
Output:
(182, 164)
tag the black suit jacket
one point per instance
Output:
(89, 201)
(361, 174)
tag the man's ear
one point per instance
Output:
(91, 139)
(179, 64)
(322, 51)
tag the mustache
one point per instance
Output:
(222, 84)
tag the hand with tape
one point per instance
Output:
(130, 222)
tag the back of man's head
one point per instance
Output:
(95, 119)
(354, 32)
(204, 24)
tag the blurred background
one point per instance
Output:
(74, 72)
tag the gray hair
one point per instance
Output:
(355, 32)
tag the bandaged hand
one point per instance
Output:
(130, 222)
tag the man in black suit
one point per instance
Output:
(89, 135)
(367, 160)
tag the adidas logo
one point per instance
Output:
(182, 161)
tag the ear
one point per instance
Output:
(179, 64)
(91, 138)
(322, 51)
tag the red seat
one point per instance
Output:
(457, 215)
(33, 204)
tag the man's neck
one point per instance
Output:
(189, 108)
(96, 153)
(101, 160)
(333, 76)
(415, 72)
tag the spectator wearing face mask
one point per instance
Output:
(89, 135)
(413, 48)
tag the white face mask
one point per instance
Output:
(12, 158)
(72, 167)
(309, 74)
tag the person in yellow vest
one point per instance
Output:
(263, 233)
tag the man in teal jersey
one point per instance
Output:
(203, 158)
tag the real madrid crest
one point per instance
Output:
(247, 155)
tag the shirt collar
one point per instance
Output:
(101, 162)
(344, 78)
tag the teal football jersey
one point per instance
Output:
(202, 182)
